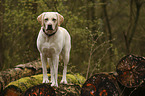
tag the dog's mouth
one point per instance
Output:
(49, 28)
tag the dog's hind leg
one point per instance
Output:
(44, 62)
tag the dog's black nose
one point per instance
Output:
(49, 27)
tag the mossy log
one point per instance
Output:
(21, 70)
(47, 90)
(102, 84)
(131, 71)
(20, 86)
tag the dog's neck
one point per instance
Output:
(49, 35)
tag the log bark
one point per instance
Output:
(131, 71)
(102, 84)
(33, 84)
(47, 90)
(21, 70)
(137, 91)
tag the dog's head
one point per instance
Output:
(50, 21)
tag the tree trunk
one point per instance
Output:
(129, 34)
(2, 10)
(108, 29)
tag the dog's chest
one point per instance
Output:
(51, 47)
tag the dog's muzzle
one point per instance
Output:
(49, 31)
(49, 27)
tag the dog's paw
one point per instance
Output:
(54, 84)
(45, 81)
(63, 82)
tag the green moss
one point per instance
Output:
(75, 79)
(27, 82)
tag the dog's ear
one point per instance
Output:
(40, 18)
(60, 18)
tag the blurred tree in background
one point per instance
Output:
(102, 31)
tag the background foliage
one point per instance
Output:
(102, 31)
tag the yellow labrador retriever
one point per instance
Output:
(52, 42)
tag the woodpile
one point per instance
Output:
(20, 71)
(33, 85)
(128, 80)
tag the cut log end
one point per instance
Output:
(12, 91)
(40, 90)
(131, 71)
(101, 85)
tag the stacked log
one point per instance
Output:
(102, 84)
(14, 91)
(129, 80)
(40, 90)
(33, 85)
(20, 71)
(131, 75)
(131, 71)
(47, 90)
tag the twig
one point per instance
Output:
(89, 62)
(99, 61)
(136, 88)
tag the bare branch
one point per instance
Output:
(100, 60)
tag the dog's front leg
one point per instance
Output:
(55, 61)
(51, 69)
(44, 62)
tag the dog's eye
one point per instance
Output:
(53, 19)
(46, 19)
